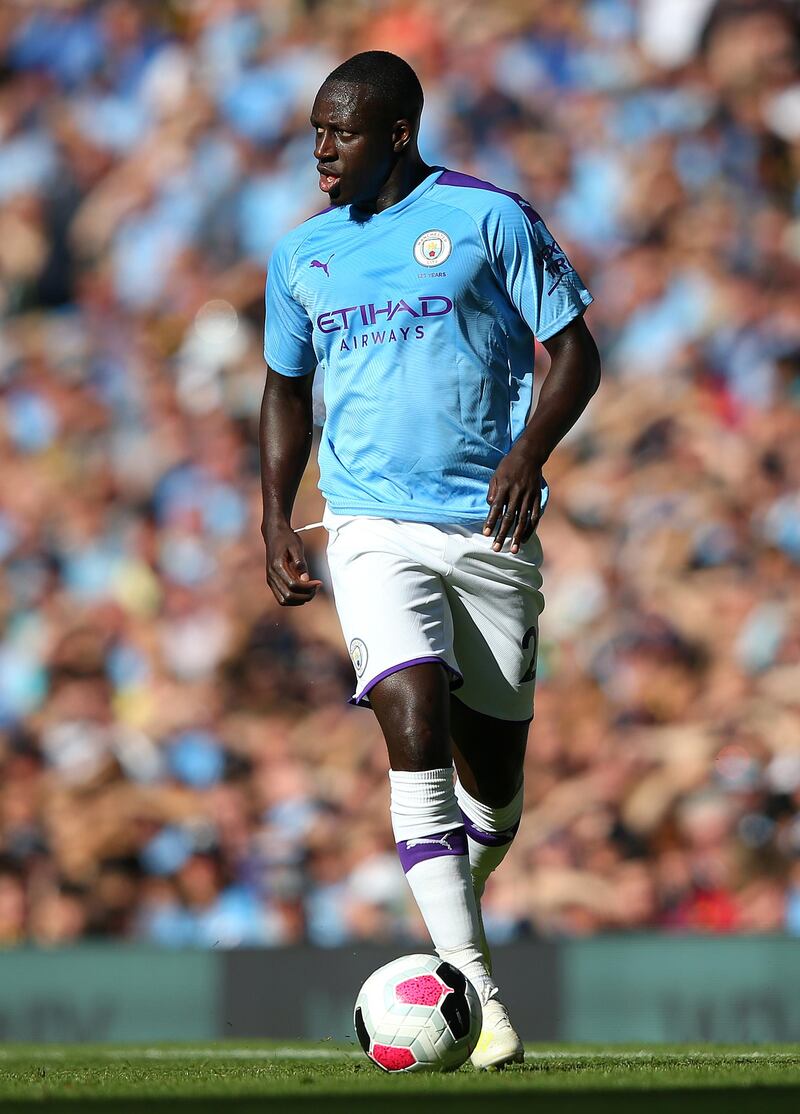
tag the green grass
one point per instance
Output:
(246, 1077)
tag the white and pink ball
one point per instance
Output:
(418, 1013)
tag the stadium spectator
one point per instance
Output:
(177, 760)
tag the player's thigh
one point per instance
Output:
(495, 602)
(393, 609)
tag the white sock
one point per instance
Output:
(432, 845)
(490, 833)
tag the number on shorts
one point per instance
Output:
(531, 636)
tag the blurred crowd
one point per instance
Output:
(178, 763)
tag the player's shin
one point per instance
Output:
(432, 845)
(490, 833)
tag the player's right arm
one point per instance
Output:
(285, 431)
(284, 436)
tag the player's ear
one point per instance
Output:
(402, 134)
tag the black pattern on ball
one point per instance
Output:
(455, 1007)
(361, 1030)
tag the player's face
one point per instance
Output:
(354, 146)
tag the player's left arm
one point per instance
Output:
(515, 490)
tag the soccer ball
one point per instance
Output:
(418, 1013)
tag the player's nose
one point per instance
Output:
(324, 148)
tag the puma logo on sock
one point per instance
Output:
(413, 851)
(416, 842)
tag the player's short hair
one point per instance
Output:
(394, 83)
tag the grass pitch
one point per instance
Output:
(249, 1077)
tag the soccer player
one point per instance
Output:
(418, 292)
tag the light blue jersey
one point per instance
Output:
(421, 317)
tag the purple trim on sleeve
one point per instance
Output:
(454, 178)
(488, 839)
(413, 851)
(360, 699)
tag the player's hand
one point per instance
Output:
(515, 498)
(287, 573)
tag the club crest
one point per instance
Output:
(358, 655)
(432, 248)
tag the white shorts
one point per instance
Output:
(412, 592)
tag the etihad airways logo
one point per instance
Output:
(373, 313)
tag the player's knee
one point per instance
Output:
(413, 711)
(416, 740)
(417, 749)
(499, 787)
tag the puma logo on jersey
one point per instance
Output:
(323, 266)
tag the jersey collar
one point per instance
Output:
(410, 198)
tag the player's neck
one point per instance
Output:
(405, 177)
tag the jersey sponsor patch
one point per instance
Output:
(432, 247)
(556, 265)
(358, 655)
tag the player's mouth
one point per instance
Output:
(327, 180)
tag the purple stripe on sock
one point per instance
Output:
(456, 680)
(488, 839)
(453, 178)
(413, 851)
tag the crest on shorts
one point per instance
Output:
(358, 655)
(432, 247)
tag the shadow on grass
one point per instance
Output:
(727, 1100)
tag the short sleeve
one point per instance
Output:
(288, 329)
(540, 280)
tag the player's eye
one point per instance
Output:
(345, 135)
